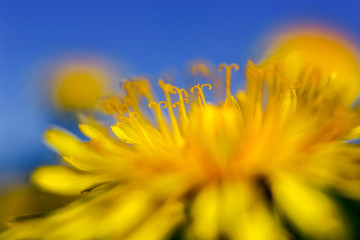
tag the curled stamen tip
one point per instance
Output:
(206, 85)
(152, 103)
(176, 104)
(185, 101)
(226, 67)
(184, 92)
(221, 66)
(235, 66)
(193, 88)
(164, 104)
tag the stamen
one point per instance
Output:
(143, 88)
(132, 100)
(168, 88)
(200, 93)
(112, 105)
(133, 116)
(182, 93)
(134, 121)
(228, 75)
(183, 99)
(126, 101)
(157, 110)
(157, 105)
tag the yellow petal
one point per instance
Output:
(91, 132)
(205, 210)
(125, 133)
(160, 224)
(124, 213)
(104, 141)
(82, 157)
(310, 210)
(64, 181)
(245, 215)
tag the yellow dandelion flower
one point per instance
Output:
(328, 51)
(229, 170)
(79, 85)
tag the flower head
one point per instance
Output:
(79, 85)
(233, 170)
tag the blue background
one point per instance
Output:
(139, 37)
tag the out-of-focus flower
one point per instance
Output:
(230, 170)
(79, 85)
(327, 54)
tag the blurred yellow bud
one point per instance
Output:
(331, 56)
(79, 85)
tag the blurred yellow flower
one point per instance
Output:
(305, 49)
(230, 170)
(79, 85)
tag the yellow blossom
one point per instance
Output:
(79, 85)
(229, 170)
(322, 52)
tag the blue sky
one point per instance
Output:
(143, 36)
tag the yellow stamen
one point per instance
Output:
(143, 88)
(126, 101)
(157, 110)
(200, 95)
(228, 69)
(112, 105)
(168, 88)
(131, 99)
(182, 93)
(158, 105)
(133, 120)
(183, 99)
